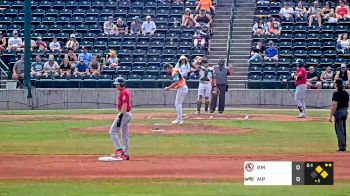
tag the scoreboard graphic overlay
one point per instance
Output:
(288, 173)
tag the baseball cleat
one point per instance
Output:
(197, 112)
(180, 122)
(301, 115)
(174, 122)
(125, 157)
(117, 152)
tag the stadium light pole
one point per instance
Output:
(27, 46)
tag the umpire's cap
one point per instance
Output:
(299, 62)
(119, 80)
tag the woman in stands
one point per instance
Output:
(112, 59)
(187, 18)
(203, 19)
(72, 57)
(184, 66)
(259, 28)
(315, 12)
(2, 42)
(342, 11)
(72, 43)
(343, 43)
(95, 67)
(199, 38)
(66, 68)
(273, 27)
(328, 14)
(300, 12)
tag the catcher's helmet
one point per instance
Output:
(299, 63)
(120, 81)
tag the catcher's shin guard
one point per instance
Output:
(199, 105)
(206, 104)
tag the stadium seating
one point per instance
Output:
(85, 19)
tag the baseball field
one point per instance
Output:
(44, 153)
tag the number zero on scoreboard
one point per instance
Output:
(249, 167)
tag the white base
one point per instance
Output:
(109, 159)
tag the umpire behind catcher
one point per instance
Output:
(339, 109)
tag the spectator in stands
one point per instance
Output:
(273, 27)
(148, 27)
(313, 79)
(206, 5)
(15, 42)
(328, 14)
(51, 67)
(286, 12)
(85, 55)
(55, 45)
(271, 53)
(184, 66)
(120, 27)
(72, 57)
(315, 12)
(327, 78)
(135, 27)
(342, 11)
(199, 38)
(187, 18)
(40, 44)
(2, 42)
(343, 43)
(37, 67)
(95, 67)
(18, 69)
(203, 19)
(72, 43)
(300, 12)
(112, 60)
(81, 69)
(259, 28)
(258, 52)
(65, 68)
(344, 75)
(108, 25)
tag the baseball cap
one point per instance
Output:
(136, 18)
(148, 17)
(343, 65)
(51, 58)
(187, 10)
(15, 32)
(112, 53)
(39, 38)
(72, 36)
(119, 80)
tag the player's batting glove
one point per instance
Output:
(120, 117)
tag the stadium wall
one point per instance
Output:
(106, 98)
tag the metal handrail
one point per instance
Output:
(4, 68)
(228, 45)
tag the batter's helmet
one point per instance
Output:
(299, 63)
(120, 81)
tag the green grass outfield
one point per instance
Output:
(54, 136)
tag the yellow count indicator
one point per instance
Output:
(319, 169)
(324, 174)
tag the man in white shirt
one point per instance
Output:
(15, 43)
(148, 26)
(55, 45)
(51, 67)
(286, 12)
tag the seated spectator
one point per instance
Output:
(342, 11)
(344, 75)
(300, 12)
(135, 27)
(2, 42)
(315, 12)
(273, 27)
(206, 5)
(187, 18)
(184, 66)
(112, 60)
(72, 57)
(313, 79)
(37, 67)
(81, 69)
(18, 69)
(101, 61)
(259, 28)
(343, 43)
(271, 53)
(72, 43)
(199, 38)
(40, 44)
(65, 68)
(286, 12)
(148, 27)
(108, 25)
(51, 67)
(15, 42)
(203, 19)
(55, 45)
(85, 55)
(327, 78)
(328, 14)
(95, 67)
(258, 52)
(120, 27)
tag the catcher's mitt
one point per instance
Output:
(216, 91)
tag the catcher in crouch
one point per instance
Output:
(205, 86)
